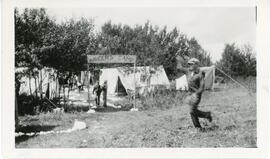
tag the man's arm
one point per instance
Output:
(179, 65)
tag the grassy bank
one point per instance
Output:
(234, 125)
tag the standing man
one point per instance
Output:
(97, 91)
(70, 82)
(79, 85)
(104, 93)
(195, 79)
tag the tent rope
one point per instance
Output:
(38, 89)
(50, 102)
(232, 79)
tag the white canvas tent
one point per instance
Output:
(182, 84)
(123, 78)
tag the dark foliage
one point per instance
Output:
(32, 105)
(152, 45)
(237, 62)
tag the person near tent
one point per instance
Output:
(70, 82)
(74, 80)
(97, 92)
(91, 79)
(104, 93)
(195, 79)
(79, 85)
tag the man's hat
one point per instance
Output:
(193, 61)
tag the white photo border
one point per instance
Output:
(7, 79)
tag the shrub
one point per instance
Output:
(30, 104)
(237, 62)
(161, 99)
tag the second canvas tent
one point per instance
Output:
(120, 80)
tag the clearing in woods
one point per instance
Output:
(234, 125)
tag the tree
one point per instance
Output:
(70, 41)
(238, 62)
(195, 50)
(152, 45)
(32, 27)
(31, 30)
(250, 60)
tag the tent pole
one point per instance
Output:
(117, 86)
(214, 72)
(134, 84)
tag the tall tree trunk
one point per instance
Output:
(41, 84)
(68, 92)
(56, 86)
(64, 96)
(38, 83)
(30, 89)
(36, 89)
(59, 90)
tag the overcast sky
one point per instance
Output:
(211, 26)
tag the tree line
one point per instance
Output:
(41, 42)
(238, 60)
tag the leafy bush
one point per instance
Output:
(29, 104)
(161, 99)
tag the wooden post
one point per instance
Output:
(30, 89)
(36, 89)
(64, 95)
(134, 84)
(117, 87)
(41, 84)
(88, 87)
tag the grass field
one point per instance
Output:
(234, 125)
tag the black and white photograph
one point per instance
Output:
(101, 77)
(135, 77)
